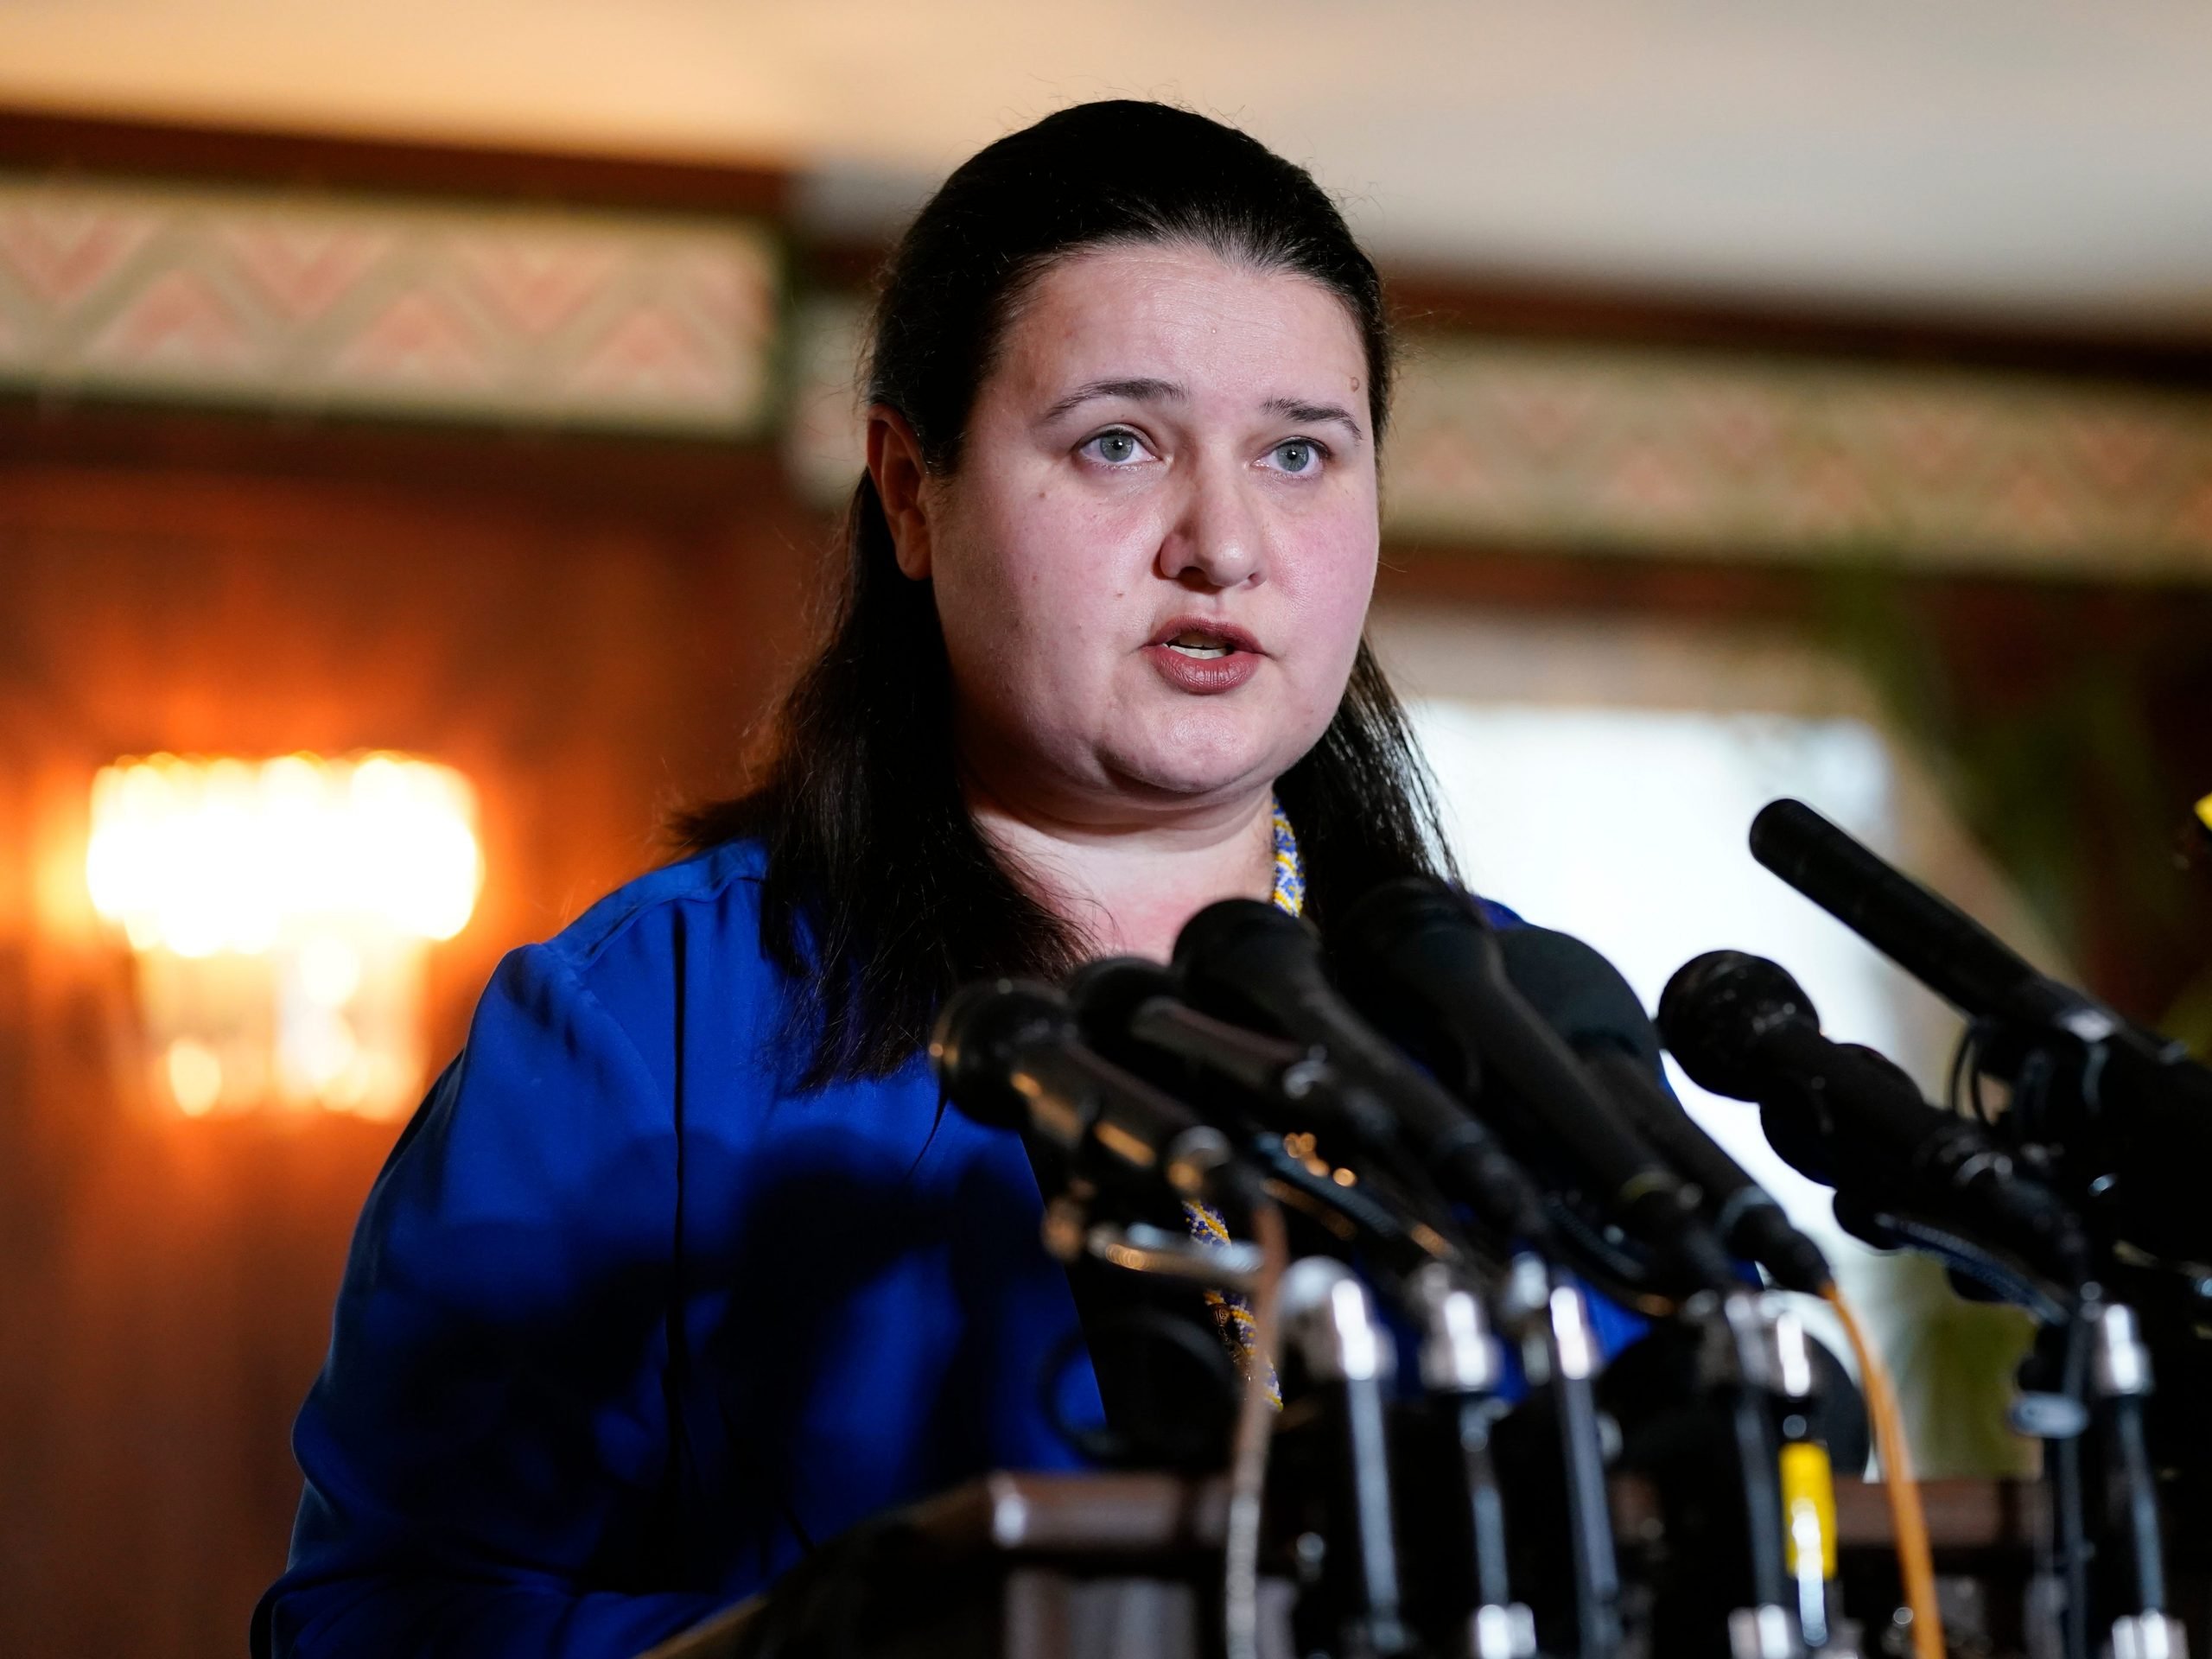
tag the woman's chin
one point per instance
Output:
(1199, 767)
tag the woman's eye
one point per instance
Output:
(1298, 455)
(1115, 448)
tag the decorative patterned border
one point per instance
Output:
(1627, 450)
(1680, 451)
(825, 447)
(353, 304)
(666, 323)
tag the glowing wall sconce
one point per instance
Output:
(280, 911)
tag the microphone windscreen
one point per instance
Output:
(1581, 995)
(1227, 930)
(975, 1041)
(1108, 992)
(1712, 1011)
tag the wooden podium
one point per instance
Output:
(1029, 1566)
(1126, 1565)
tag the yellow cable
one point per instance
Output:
(1916, 1565)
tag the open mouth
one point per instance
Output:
(1204, 640)
(1204, 656)
(1204, 646)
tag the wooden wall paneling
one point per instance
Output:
(586, 653)
(1506, 307)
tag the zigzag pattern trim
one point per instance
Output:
(358, 305)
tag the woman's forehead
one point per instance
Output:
(1182, 314)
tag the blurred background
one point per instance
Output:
(421, 427)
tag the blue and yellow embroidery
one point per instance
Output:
(1231, 1313)
(1289, 892)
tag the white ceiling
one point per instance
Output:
(2024, 156)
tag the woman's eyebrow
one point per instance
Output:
(1312, 414)
(1141, 390)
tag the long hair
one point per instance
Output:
(880, 895)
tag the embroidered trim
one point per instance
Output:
(1232, 1315)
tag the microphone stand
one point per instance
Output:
(1719, 1411)
(1460, 1586)
(1328, 1322)
(2057, 1108)
(1756, 1360)
(2055, 1117)
(1345, 1353)
(1461, 1593)
(1542, 1310)
(1808, 1483)
(2052, 1411)
(1461, 1367)
(2119, 1380)
(1550, 1322)
(2091, 1349)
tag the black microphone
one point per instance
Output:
(1248, 963)
(1007, 1054)
(1424, 947)
(1742, 1027)
(1131, 1010)
(1268, 1089)
(2133, 1115)
(1939, 944)
(1590, 1004)
(1127, 1003)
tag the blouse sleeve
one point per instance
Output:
(487, 1449)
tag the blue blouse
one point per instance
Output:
(629, 1322)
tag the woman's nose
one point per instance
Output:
(1215, 538)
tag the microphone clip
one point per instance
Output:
(1139, 1247)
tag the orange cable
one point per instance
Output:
(1915, 1565)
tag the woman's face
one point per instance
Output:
(1155, 559)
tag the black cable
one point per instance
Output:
(1964, 1257)
(1962, 1089)
(1954, 1088)
(1610, 1269)
(1973, 1088)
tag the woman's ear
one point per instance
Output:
(894, 461)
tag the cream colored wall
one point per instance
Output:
(1984, 154)
(1585, 854)
(1494, 658)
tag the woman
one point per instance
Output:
(683, 1265)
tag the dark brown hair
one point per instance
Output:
(882, 896)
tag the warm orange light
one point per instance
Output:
(280, 911)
